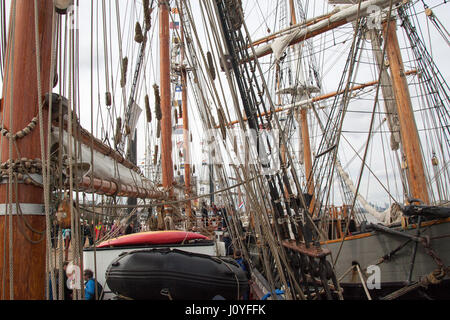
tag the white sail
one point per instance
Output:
(104, 167)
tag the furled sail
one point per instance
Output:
(105, 168)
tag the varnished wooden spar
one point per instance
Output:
(408, 129)
(268, 50)
(28, 264)
(166, 108)
(284, 31)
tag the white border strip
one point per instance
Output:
(35, 209)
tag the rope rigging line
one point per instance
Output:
(225, 82)
(368, 138)
(8, 212)
(331, 139)
(436, 86)
(262, 79)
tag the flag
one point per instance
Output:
(175, 10)
(178, 129)
(176, 103)
(174, 25)
(178, 88)
(241, 205)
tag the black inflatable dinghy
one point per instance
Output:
(160, 274)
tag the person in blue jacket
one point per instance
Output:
(89, 286)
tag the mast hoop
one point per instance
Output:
(34, 209)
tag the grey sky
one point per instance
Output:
(260, 20)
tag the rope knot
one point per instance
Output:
(434, 277)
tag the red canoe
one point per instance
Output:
(152, 237)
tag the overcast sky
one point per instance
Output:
(260, 18)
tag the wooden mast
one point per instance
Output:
(307, 161)
(186, 137)
(166, 108)
(408, 129)
(19, 108)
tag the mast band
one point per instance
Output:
(36, 209)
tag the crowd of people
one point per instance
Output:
(90, 233)
(213, 216)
